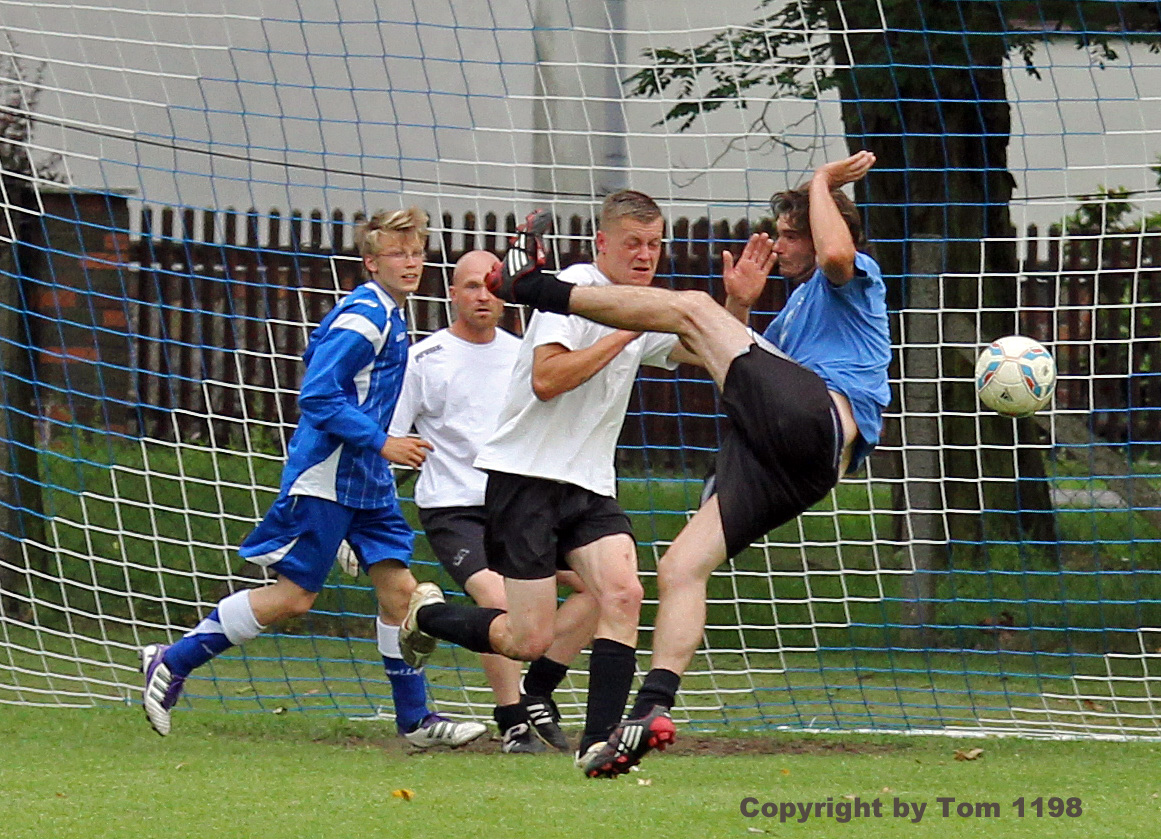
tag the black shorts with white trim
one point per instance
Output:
(780, 454)
(532, 523)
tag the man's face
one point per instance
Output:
(474, 305)
(628, 250)
(795, 250)
(398, 266)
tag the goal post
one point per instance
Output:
(181, 185)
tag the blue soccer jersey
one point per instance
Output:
(354, 371)
(842, 334)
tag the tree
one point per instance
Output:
(920, 82)
(21, 517)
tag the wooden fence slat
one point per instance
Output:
(224, 304)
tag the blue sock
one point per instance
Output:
(197, 647)
(409, 692)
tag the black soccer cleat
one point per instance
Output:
(518, 279)
(545, 718)
(629, 742)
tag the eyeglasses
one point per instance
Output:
(401, 256)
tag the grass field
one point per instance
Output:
(91, 774)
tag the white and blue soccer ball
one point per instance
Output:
(1015, 376)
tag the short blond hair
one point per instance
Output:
(409, 222)
(628, 203)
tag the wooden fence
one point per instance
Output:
(198, 324)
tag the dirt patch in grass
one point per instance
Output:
(718, 745)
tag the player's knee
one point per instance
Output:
(674, 573)
(297, 603)
(693, 305)
(529, 647)
(622, 599)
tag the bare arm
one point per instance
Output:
(833, 246)
(556, 369)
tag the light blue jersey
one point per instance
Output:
(354, 371)
(841, 333)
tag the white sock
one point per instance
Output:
(388, 639)
(237, 618)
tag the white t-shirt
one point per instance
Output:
(571, 438)
(452, 393)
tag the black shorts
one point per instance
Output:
(456, 536)
(780, 453)
(532, 523)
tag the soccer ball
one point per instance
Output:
(1015, 376)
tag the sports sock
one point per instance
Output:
(507, 716)
(543, 677)
(659, 688)
(466, 626)
(611, 668)
(408, 686)
(231, 622)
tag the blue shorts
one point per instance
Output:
(300, 535)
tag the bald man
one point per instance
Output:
(453, 392)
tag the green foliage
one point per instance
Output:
(20, 89)
(794, 49)
(787, 48)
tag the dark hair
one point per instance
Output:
(795, 205)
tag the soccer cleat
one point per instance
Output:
(545, 717)
(162, 688)
(520, 739)
(415, 645)
(524, 256)
(435, 730)
(629, 742)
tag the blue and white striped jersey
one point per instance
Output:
(354, 372)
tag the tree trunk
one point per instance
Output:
(21, 508)
(941, 132)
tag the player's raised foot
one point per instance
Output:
(162, 688)
(415, 645)
(545, 717)
(517, 278)
(435, 730)
(629, 742)
(521, 740)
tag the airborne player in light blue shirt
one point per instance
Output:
(336, 485)
(805, 402)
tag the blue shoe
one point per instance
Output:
(162, 688)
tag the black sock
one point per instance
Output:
(554, 296)
(507, 716)
(543, 677)
(611, 669)
(659, 688)
(463, 625)
(543, 292)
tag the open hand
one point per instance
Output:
(848, 170)
(745, 278)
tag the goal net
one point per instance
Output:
(180, 187)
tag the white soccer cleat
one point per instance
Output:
(162, 688)
(440, 731)
(415, 645)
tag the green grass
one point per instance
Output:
(808, 631)
(104, 775)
